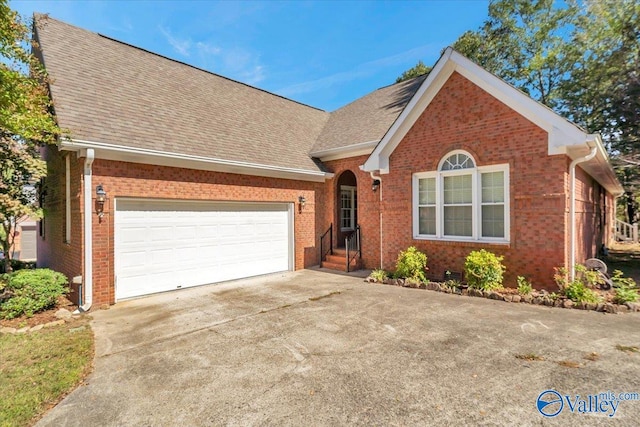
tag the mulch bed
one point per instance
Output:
(39, 318)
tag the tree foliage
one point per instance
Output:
(26, 123)
(417, 70)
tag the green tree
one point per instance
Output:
(417, 70)
(525, 43)
(26, 123)
(603, 93)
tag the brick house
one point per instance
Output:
(174, 176)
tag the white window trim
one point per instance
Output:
(67, 199)
(477, 203)
(353, 190)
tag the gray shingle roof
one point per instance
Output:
(110, 92)
(368, 118)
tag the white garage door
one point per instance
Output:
(165, 245)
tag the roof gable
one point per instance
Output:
(562, 133)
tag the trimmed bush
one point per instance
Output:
(411, 263)
(484, 270)
(33, 291)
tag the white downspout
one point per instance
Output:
(572, 211)
(88, 232)
(380, 211)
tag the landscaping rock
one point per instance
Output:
(22, 330)
(527, 299)
(591, 306)
(496, 296)
(54, 323)
(386, 281)
(63, 313)
(568, 303)
(537, 300)
(508, 298)
(7, 330)
(632, 306)
(558, 302)
(548, 301)
(36, 328)
(465, 292)
(611, 308)
(622, 308)
(516, 298)
(579, 305)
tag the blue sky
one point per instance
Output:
(324, 53)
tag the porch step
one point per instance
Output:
(338, 261)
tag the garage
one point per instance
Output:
(167, 245)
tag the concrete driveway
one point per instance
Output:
(313, 348)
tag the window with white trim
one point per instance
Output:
(462, 201)
(348, 207)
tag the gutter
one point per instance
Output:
(88, 232)
(572, 212)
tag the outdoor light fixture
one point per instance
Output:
(375, 185)
(302, 200)
(101, 197)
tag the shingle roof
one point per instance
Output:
(110, 92)
(107, 91)
(368, 118)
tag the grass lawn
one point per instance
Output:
(38, 368)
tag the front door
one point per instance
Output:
(348, 211)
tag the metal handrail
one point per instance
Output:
(323, 253)
(352, 245)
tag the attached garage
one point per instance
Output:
(165, 245)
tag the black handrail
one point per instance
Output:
(352, 245)
(323, 253)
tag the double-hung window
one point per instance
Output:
(462, 201)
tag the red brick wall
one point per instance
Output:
(368, 207)
(53, 251)
(463, 116)
(121, 179)
(594, 216)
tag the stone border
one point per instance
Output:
(535, 297)
(62, 314)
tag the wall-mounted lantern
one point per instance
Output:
(101, 197)
(375, 185)
(302, 201)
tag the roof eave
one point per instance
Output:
(161, 158)
(353, 150)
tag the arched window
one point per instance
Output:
(462, 201)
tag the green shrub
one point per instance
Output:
(524, 286)
(622, 282)
(484, 270)
(625, 294)
(580, 289)
(411, 263)
(577, 291)
(33, 291)
(378, 275)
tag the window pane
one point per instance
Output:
(457, 221)
(493, 221)
(427, 220)
(427, 191)
(457, 189)
(493, 187)
(457, 161)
